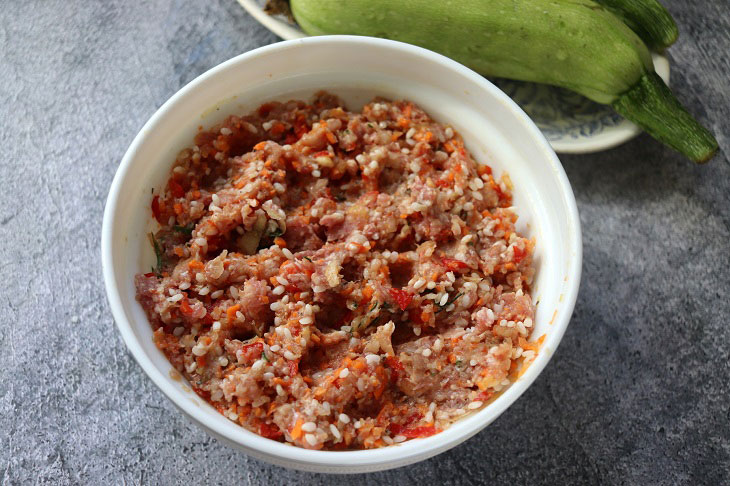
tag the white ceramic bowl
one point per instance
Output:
(496, 132)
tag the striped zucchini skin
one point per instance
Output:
(648, 18)
(575, 44)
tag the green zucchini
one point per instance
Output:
(648, 18)
(575, 44)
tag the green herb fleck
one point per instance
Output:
(340, 197)
(158, 254)
(276, 232)
(264, 357)
(186, 230)
(307, 258)
(450, 302)
(458, 363)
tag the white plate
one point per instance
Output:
(572, 123)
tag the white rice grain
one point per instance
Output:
(311, 439)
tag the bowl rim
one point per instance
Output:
(381, 458)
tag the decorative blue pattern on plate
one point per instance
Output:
(558, 112)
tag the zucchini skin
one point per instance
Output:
(648, 18)
(575, 44)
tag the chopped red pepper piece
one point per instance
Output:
(453, 264)
(485, 395)
(253, 351)
(270, 431)
(519, 254)
(394, 363)
(484, 169)
(417, 432)
(396, 367)
(402, 297)
(156, 212)
(397, 429)
(277, 129)
(185, 307)
(177, 189)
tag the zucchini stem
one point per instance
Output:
(651, 105)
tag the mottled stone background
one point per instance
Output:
(637, 393)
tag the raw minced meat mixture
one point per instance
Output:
(339, 280)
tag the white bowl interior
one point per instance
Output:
(494, 128)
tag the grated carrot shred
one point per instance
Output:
(231, 311)
(193, 264)
(296, 432)
(532, 346)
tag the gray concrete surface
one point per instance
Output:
(637, 393)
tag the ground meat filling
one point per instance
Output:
(339, 280)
